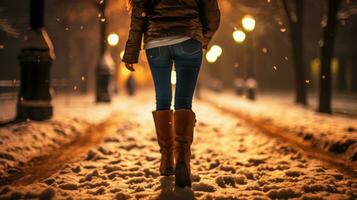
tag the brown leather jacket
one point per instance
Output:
(198, 19)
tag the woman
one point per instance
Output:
(175, 31)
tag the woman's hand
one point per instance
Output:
(130, 66)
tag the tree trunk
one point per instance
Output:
(326, 56)
(296, 27)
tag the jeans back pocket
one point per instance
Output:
(191, 47)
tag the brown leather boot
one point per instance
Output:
(184, 122)
(165, 136)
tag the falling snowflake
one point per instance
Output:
(321, 43)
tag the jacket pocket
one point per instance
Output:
(191, 47)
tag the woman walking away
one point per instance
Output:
(175, 32)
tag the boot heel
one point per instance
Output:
(182, 175)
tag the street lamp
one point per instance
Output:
(239, 36)
(217, 50)
(213, 53)
(211, 57)
(113, 39)
(35, 59)
(105, 67)
(248, 23)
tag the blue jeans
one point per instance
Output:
(187, 58)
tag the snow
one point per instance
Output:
(230, 160)
(24, 142)
(332, 134)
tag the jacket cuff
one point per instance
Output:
(132, 59)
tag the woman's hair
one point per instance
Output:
(129, 5)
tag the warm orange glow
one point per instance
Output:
(141, 75)
(248, 23)
(123, 71)
(211, 57)
(239, 36)
(143, 58)
(217, 50)
(213, 53)
(113, 39)
(121, 55)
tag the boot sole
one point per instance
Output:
(182, 176)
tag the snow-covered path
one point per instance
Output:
(231, 160)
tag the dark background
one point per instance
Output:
(73, 26)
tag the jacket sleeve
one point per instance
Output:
(210, 18)
(137, 26)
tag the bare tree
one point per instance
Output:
(326, 56)
(294, 11)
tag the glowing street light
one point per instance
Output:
(214, 52)
(211, 57)
(239, 36)
(248, 23)
(113, 39)
(217, 50)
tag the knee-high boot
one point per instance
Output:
(165, 136)
(184, 122)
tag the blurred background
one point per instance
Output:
(265, 53)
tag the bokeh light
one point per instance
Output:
(211, 57)
(239, 36)
(113, 39)
(217, 50)
(248, 23)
